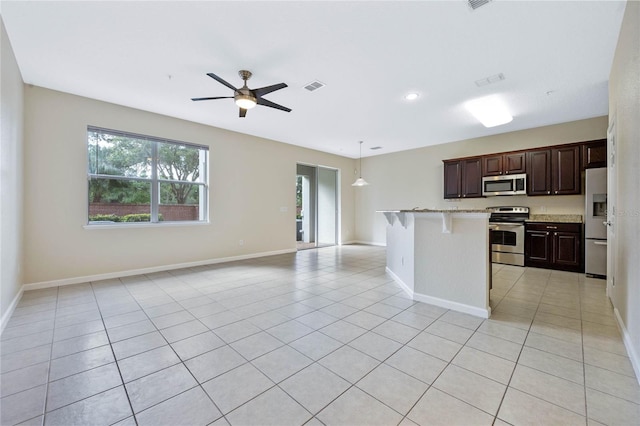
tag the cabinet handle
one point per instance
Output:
(548, 192)
(547, 233)
(507, 172)
(556, 192)
(499, 172)
(552, 227)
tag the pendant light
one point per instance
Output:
(360, 181)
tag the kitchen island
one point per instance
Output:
(441, 257)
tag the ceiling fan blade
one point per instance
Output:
(243, 112)
(262, 101)
(208, 99)
(220, 80)
(268, 89)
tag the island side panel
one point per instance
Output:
(452, 269)
(400, 252)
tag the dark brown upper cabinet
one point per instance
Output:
(452, 179)
(565, 170)
(463, 178)
(539, 172)
(504, 164)
(554, 171)
(594, 154)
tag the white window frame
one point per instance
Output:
(155, 181)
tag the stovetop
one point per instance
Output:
(515, 214)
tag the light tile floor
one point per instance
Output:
(317, 337)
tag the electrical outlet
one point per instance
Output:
(543, 209)
(241, 242)
(283, 209)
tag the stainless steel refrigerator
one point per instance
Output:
(595, 212)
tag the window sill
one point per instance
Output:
(143, 225)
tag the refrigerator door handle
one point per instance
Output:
(600, 243)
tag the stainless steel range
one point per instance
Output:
(506, 226)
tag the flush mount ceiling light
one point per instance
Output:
(490, 111)
(360, 181)
(412, 96)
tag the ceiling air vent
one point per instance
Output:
(474, 4)
(490, 80)
(314, 85)
(375, 147)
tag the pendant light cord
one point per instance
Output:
(360, 159)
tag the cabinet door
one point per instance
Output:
(594, 154)
(492, 166)
(452, 179)
(472, 178)
(566, 249)
(565, 167)
(538, 248)
(539, 172)
(514, 163)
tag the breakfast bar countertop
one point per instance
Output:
(559, 218)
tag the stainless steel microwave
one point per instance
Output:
(504, 185)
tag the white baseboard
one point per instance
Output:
(401, 283)
(626, 338)
(366, 243)
(12, 307)
(162, 268)
(455, 306)
(459, 307)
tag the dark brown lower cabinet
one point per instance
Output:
(553, 245)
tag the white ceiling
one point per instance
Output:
(155, 55)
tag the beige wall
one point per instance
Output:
(11, 94)
(624, 109)
(250, 180)
(414, 178)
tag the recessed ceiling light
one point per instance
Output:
(412, 96)
(490, 111)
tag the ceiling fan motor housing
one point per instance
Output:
(244, 97)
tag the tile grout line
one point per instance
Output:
(521, 348)
(584, 364)
(115, 360)
(53, 336)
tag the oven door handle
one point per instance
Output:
(496, 225)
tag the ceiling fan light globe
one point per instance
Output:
(245, 101)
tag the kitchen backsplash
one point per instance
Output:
(566, 204)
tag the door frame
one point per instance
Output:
(336, 216)
(612, 185)
(338, 201)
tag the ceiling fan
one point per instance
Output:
(247, 98)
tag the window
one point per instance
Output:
(134, 178)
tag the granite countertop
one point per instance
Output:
(560, 218)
